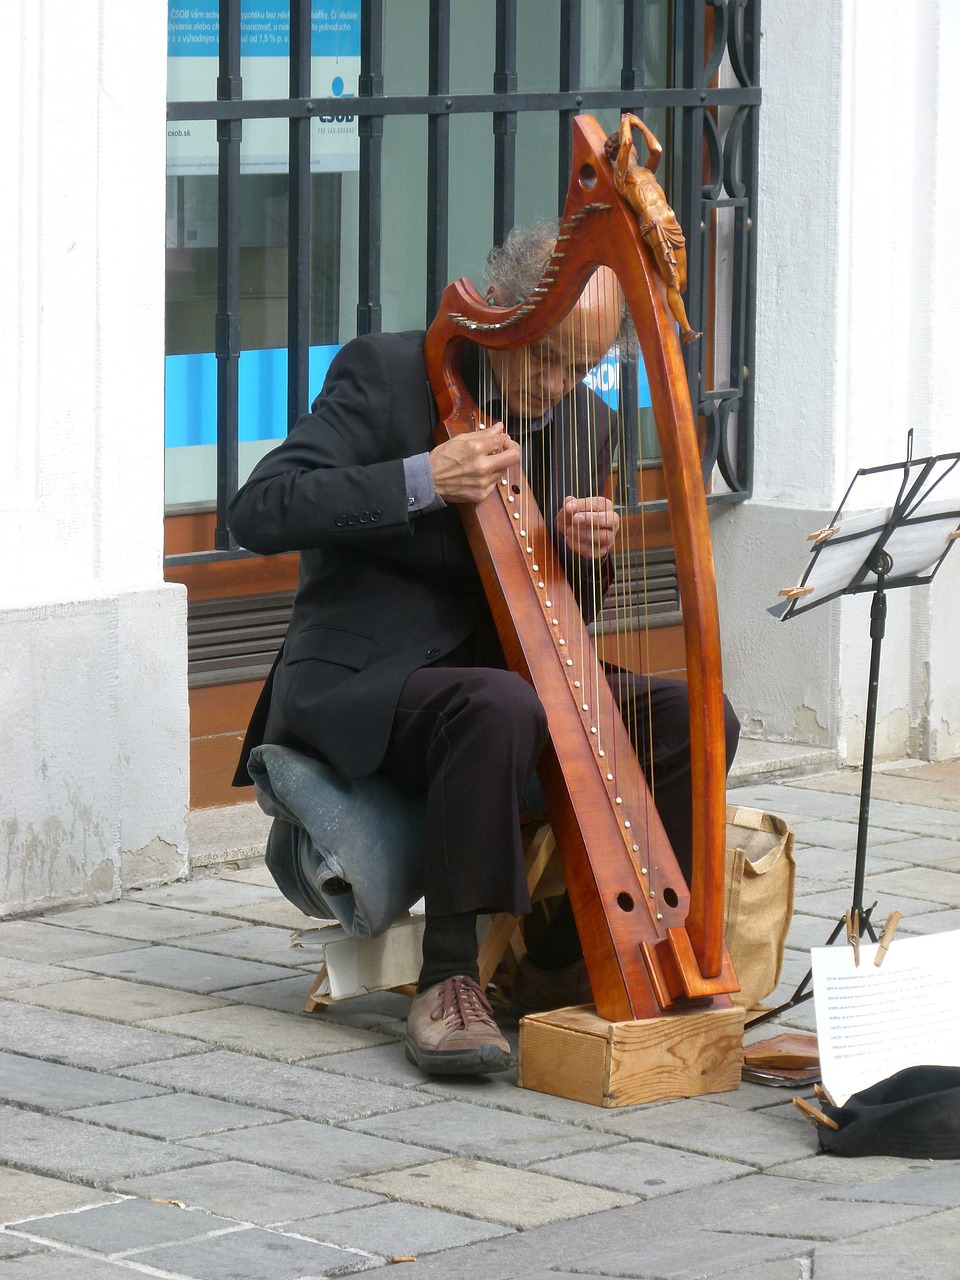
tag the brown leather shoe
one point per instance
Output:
(536, 989)
(451, 1031)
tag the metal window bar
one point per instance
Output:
(735, 33)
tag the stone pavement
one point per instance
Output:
(169, 1111)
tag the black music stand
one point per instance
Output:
(901, 542)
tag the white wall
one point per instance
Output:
(92, 643)
(857, 282)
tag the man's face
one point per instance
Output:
(535, 378)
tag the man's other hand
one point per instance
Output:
(588, 526)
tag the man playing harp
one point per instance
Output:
(391, 663)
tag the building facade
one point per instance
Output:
(856, 289)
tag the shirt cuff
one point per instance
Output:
(418, 479)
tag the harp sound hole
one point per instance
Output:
(624, 902)
(514, 488)
(588, 177)
(670, 897)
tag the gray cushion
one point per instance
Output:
(346, 851)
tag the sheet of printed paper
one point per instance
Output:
(873, 1021)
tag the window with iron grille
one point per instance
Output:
(331, 165)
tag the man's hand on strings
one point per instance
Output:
(468, 467)
(588, 526)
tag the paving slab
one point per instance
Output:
(213, 896)
(821, 1219)
(933, 1238)
(256, 874)
(797, 1267)
(644, 1170)
(14, 1246)
(934, 784)
(501, 1093)
(832, 903)
(868, 1265)
(175, 1115)
(45, 942)
(276, 911)
(267, 1033)
(15, 974)
(842, 1174)
(293, 1090)
(491, 1192)
(691, 1255)
(133, 918)
(841, 837)
(484, 1134)
(315, 1150)
(61, 1148)
(252, 1253)
(385, 1063)
(195, 971)
(46, 1265)
(125, 1226)
(248, 1192)
(916, 819)
(400, 1230)
(934, 1182)
(114, 998)
(930, 851)
(21, 1193)
(936, 884)
(828, 867)
(694, 1124)
(50, 1086)
(84, 1042)
(263, 943)
(797, 802)
(932, 922)
(286, 995)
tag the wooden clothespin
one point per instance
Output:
(823, 1093)
(853, 935)
(889, 929)
(794, 593)
(951, 537)
(813, 1114)
(822, 535)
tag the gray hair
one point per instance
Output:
(514, 269)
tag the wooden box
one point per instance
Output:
(573, 1053)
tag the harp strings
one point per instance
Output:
(558, 363)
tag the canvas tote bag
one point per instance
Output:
(760, 876)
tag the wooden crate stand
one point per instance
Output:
(573, 1053)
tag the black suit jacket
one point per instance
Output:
(380, 593)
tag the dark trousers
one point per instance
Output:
(471, 737)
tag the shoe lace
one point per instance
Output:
(463, 998)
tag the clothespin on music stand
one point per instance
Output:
(889, 929)
(822, 535)
(853, 934)
(794, 593)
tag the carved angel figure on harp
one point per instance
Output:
(392, 665)
(657, 221)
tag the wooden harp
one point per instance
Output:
(652, 944)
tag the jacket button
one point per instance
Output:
(432, 653)
(340, 521)
(351, 519)
(375, 515)
(364, 517)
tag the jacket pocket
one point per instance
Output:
(330, 644)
